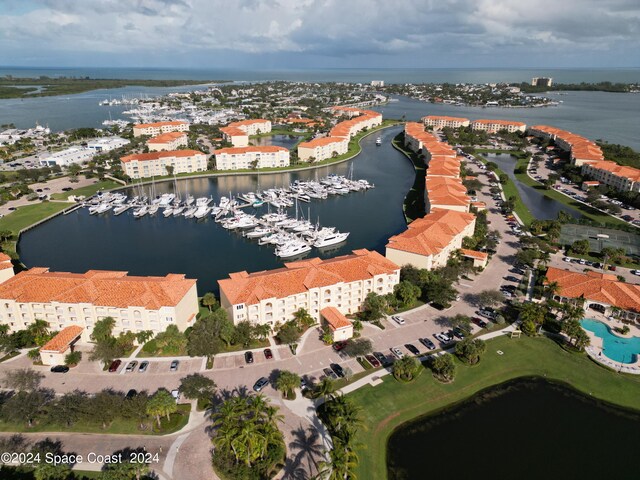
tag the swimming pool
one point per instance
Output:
(618, 349)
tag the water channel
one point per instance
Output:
(542, 207)
(204, 250)
(528, 429)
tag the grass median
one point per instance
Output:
(88, 190)
(391, 404)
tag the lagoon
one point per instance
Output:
(527, 429)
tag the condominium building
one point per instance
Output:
(447, 193)
(337, 142)
(254, 126)
(153, 164)
(6, 267)
(494, 126)
(167, 141)
(274, 296)
(542, 81)
(251, 157)
(64, 299)
(322, 148)
(428, 241)
(620, 177)
(599, 291)
(438, 122)
(418, 140)
(235, 136)
(581, 149)
(157, 128)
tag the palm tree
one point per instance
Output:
(326, 388)
(341, 465)
(406, 368)
(209, 300)
(161, 404)
(287, 382)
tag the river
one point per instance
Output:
(204, 250)
(529, 430)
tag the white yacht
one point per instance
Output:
(178, 211)
(190, 212)
(140, 212)
(104, 207)
(202, 211)
(121, 209)
(292, 249)
(258, 232)
(331, 239)
(153, 209)
(167, 212)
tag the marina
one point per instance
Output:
(292, 236)
(152, 244)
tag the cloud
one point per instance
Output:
(353, 32)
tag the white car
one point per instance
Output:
(566, 259)
(398, 320)
(397, 352)
(443, 337)
(636, 272)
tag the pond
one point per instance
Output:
(286, 141)
(540, 206)
(206, 251)
(526, 429)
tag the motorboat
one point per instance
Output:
(332, 239)
(121, 209)
(167, 212)
(258, 232)
(153, 209)
(292, 249)
(141, 212)
(178, 211)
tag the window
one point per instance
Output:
(239, 307)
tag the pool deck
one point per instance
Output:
(595, 349)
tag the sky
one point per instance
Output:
(289, 34)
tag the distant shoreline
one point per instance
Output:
(43, 86)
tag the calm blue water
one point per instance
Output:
(623, 350)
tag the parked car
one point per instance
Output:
(329, 373)
(260, 384)
(337, 346)
(381, 357)
(174, 365)
(248, 357)
(114, 365)
(267, 354)
(399, 320)
(412, 348)
(459, 333)
(60, 369)
(304, 385)
(566, 259)
(397, 352)
(511, 278)
(636, 272)
(132, 365)
(375, 363)
(338, 369)
(427, 343)
(479, 322)
(143, 366)
(442, 337)
(175, 394)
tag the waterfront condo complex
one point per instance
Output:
(145, 165)
(274, 296)
(267, 156)
(158, 128)
(64, 299)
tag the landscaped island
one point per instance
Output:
(22, 87)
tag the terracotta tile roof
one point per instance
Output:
(581, 147)
(473, 254)
(428, 141)
(320, 142)
(598, 287)
(167, 137)
(249, 149)
(334, 318)
(161, 124)
(98, 287)
(432, 233)
(5, 261)
(631, 173)
(233, 131)
(243, 123)
(299, 277)
(145, 157)
(60, 343)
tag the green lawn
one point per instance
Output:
(391, 404)
(88, 190)
(587, 211)
(510, 190)
(120, 426)
(29, 214)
